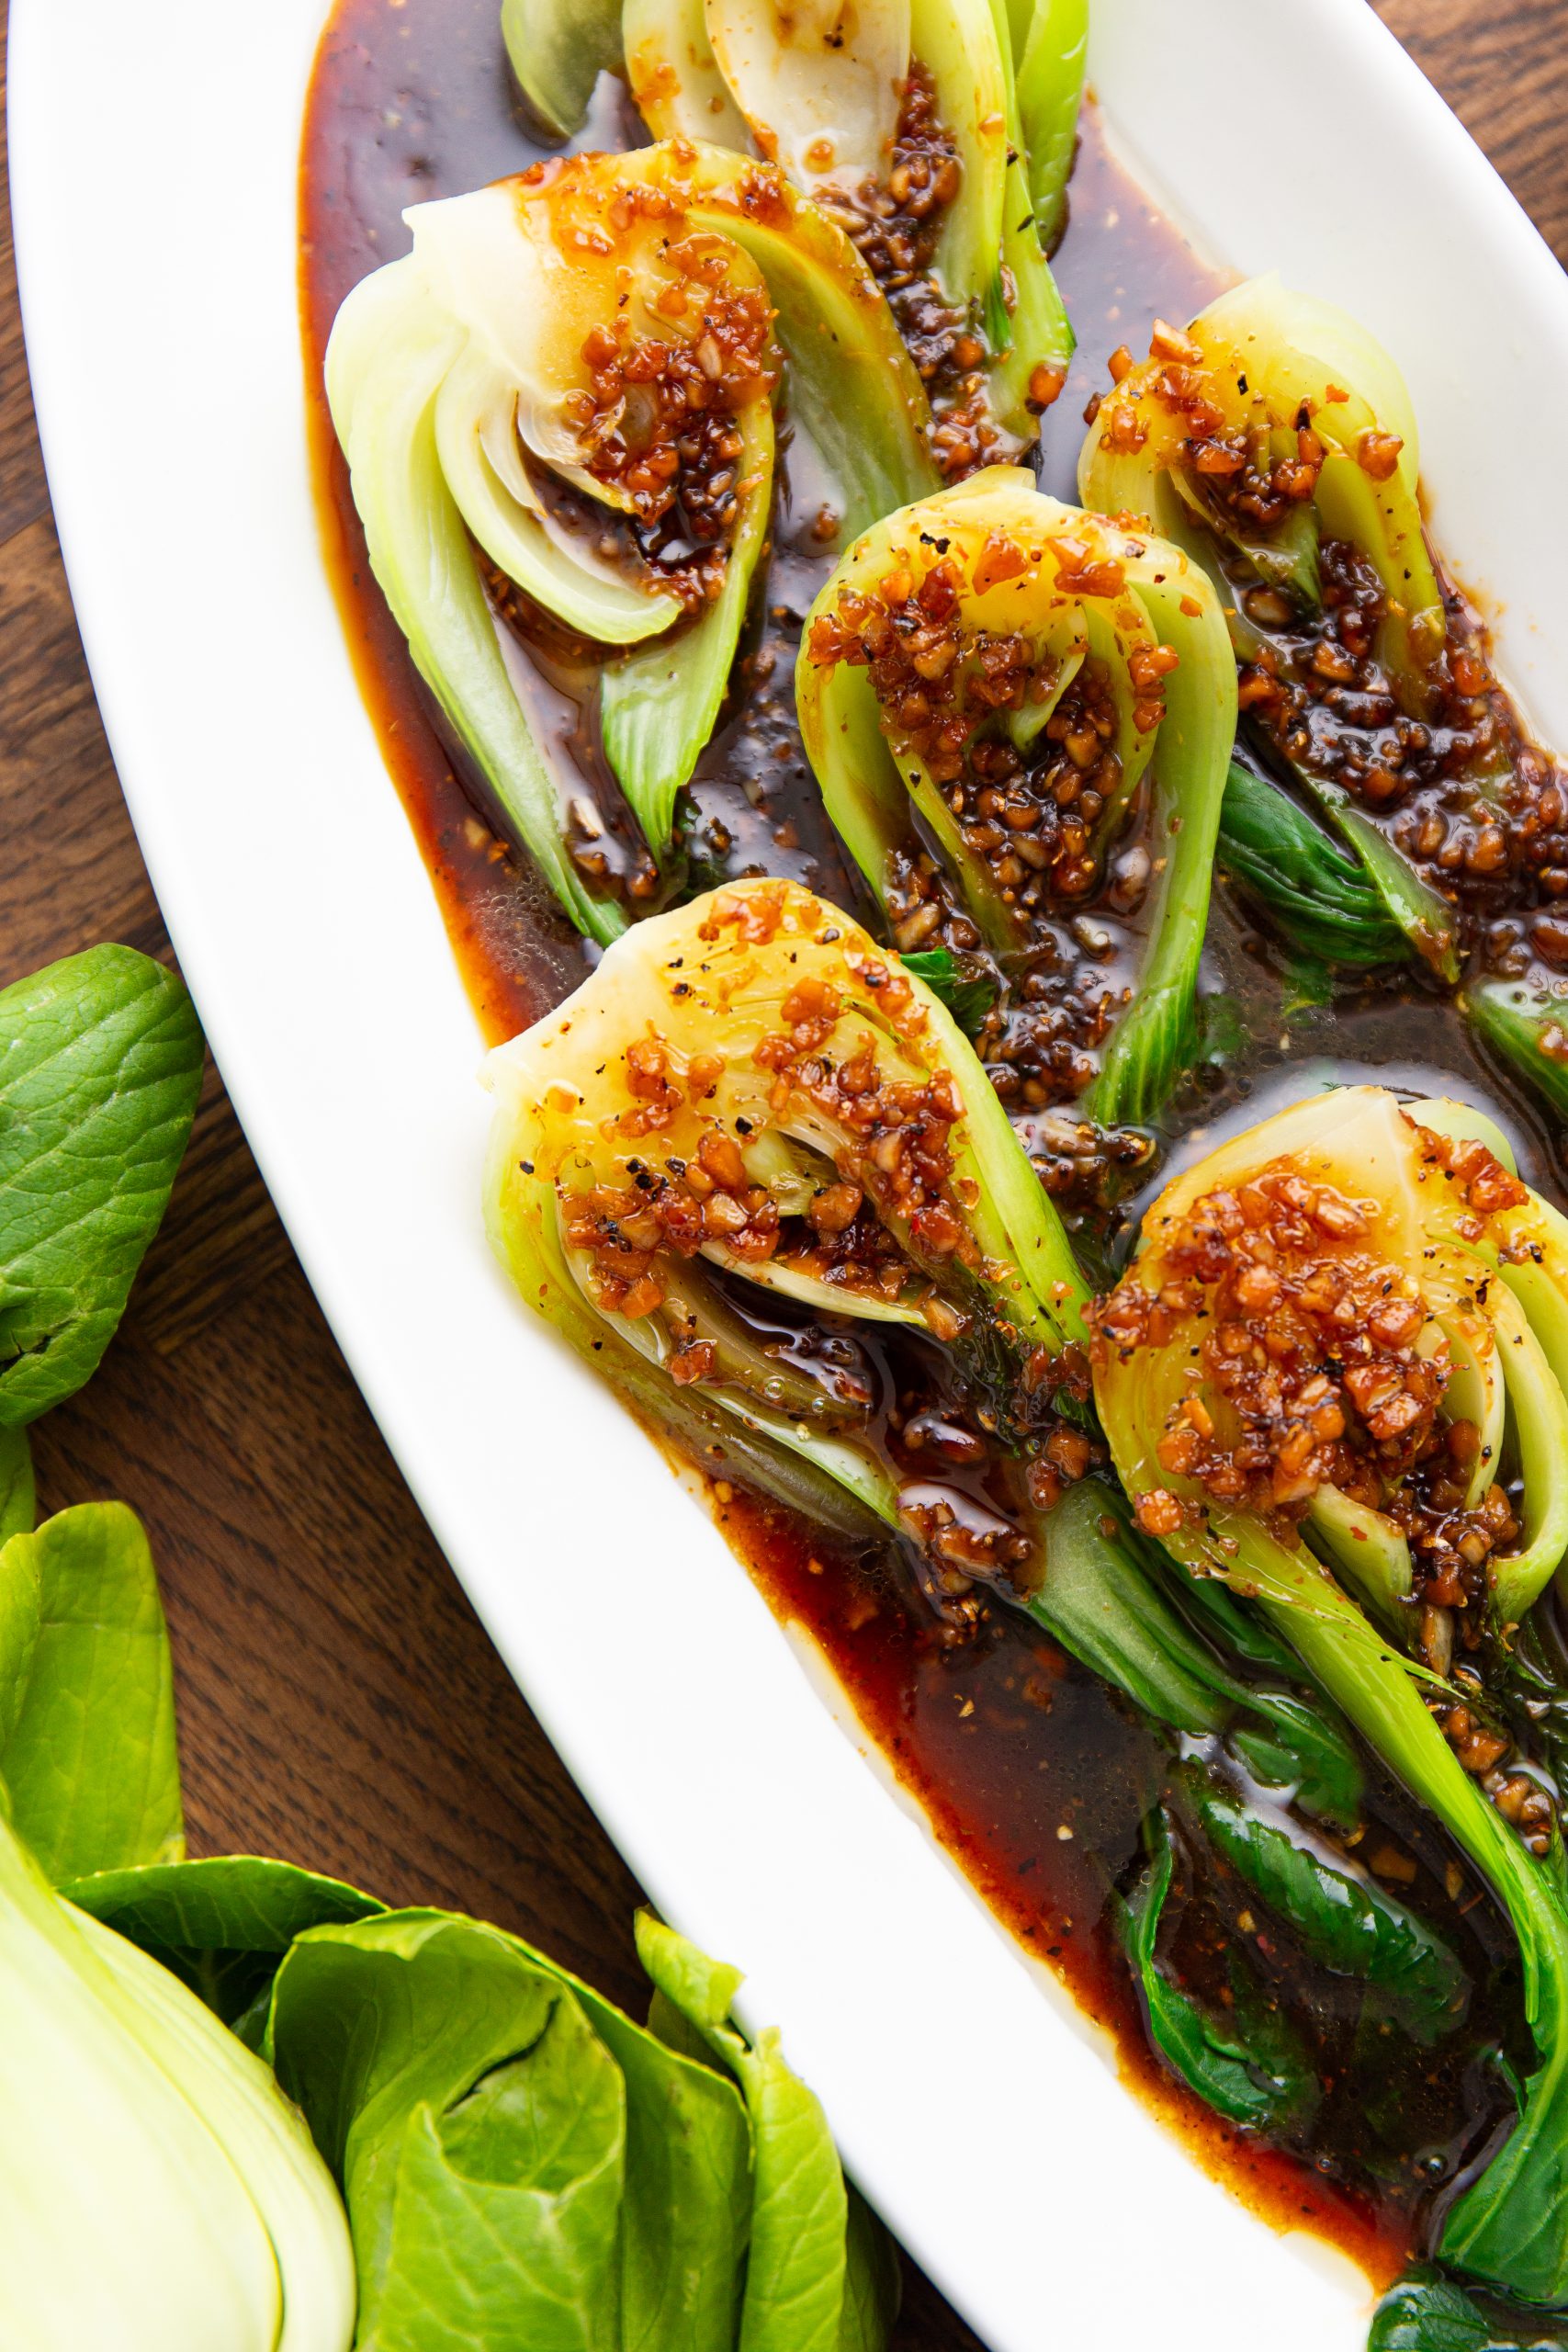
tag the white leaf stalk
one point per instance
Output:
(157, 2193)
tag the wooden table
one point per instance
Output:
(338, 1701)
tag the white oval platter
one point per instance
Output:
(153, 157)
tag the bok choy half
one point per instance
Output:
(992, 688)
(1334, 1380)
(1274, 439)
(753, 1154)
(566, 392)
(912, 123)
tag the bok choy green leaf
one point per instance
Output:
(1427, 2312)
(1340, 1917)
(1321, 900)
(1526, 1028)
(1051, 64)
(221, 1924)
(523, 2164)
(100, 1067)
(86, 1702)
(1247, 2062)
(557, 50)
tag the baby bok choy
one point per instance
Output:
(156, 2189)
(1019, 713)
(903, 119)
(1333, 1381)
(566, 337)
(1274, 439)
(564, 394)
(754, 1174)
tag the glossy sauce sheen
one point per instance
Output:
(1032, 1775)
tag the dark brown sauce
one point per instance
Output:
(1005, 1741)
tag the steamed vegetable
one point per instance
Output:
(496, 371)
(1527, 1027)
(750, 1111)
(559, 48)
(906, 122)
(566, 390)
(1245, 2061)
(1050, 56)
(991, 688)
(1343, 1325)
(751, 1150)
(1322, 901)
(1275, 441)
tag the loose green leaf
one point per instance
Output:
(18, 1499)
(87, 1714)
(873, 2280)
(221, 1924)
(1428, 2312)
(795, 2278)
(439, 2057)
(1347, 1924)
(476, 2124)
(100, 1065)
(1249, 2067)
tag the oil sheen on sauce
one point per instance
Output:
(1031, 1775)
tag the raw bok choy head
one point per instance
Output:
(157, 2191)
(1334, 1378)
(750, 1154)
(998, 692)
(1275, 439)
(903, 119)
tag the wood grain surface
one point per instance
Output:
(339, 1702)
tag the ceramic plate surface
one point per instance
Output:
(153, 157)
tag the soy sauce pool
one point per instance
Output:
(1033, 1776)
